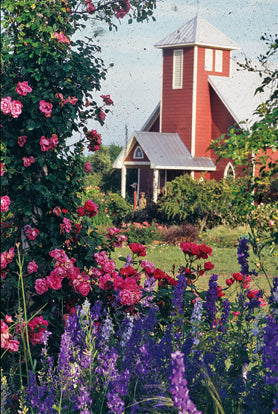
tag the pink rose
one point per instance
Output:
(41, 286)
(6, 105)
(148, 266)
(105, 282)
(57, 211)
(8, 318)
(54, 282)
(21, 140)
(126, 297)
(90, 8)
(16, 108)
(4, 262)
(45, 144)
(61, 38)
(122, 11)
(5, 202)
(46, 108)
(130, 284)
(101, 115)
(28, 161)
(88, 167)
(23, 88)
(72, 100)
(31, 233)
(59, 272)
(2, 169)
(54, 140)
(83, 288)
(108, 266)
(32, 267)
(107, 100)
(90, 208)
(67, 226)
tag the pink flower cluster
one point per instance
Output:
(72, 100)
(138, 248)
(123, 286)
(7, 341)
(107, 100)
(238, 277)
(23, 88)
(32, 267)
(11, 107)
(95, 140)
(163, 278)
(201, 251)
(21, 140)
(116, 238)
(61, 38)
(66, 226)
(45, 108)
(5, 202)
(122, 9)
(27, 161)
(90, 8)
(36, 329)
(87, 167)
(30, 232)
(49, 144)
(7, 257)
(63, 268)
(89, 209)
(101, 115)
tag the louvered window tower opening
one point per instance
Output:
(177, 68)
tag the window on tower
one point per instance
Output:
(218, 60)
(177, 68)
(208, 59)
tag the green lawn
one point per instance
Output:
(169, 258)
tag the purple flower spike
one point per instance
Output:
(178, 388)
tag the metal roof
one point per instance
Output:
(197, 31)
(237, 92)
(165, 151)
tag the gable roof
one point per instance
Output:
(197, 31)
(165, 151)
(237, 93)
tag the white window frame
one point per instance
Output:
(135, 157)
(218, 64)
(208, 60)
(229, 166)
(177, 69)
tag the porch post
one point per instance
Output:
(123, 181)
(155, 184)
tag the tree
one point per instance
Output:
(51, 80)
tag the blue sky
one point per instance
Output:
(134, 82)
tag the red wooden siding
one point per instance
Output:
(177, 103)
(203, 104)
(221, 122)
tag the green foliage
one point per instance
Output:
(205, 203)
(118, 207)
(144, 233)
(102, 174)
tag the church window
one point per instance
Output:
(218, 60)
(177, 68)
(229, 171)
(138, 153)
(208, 59)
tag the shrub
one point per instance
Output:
(205, 203)
(144, 233)
(177, 234)
(118, 207)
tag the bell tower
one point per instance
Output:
(191, 54)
